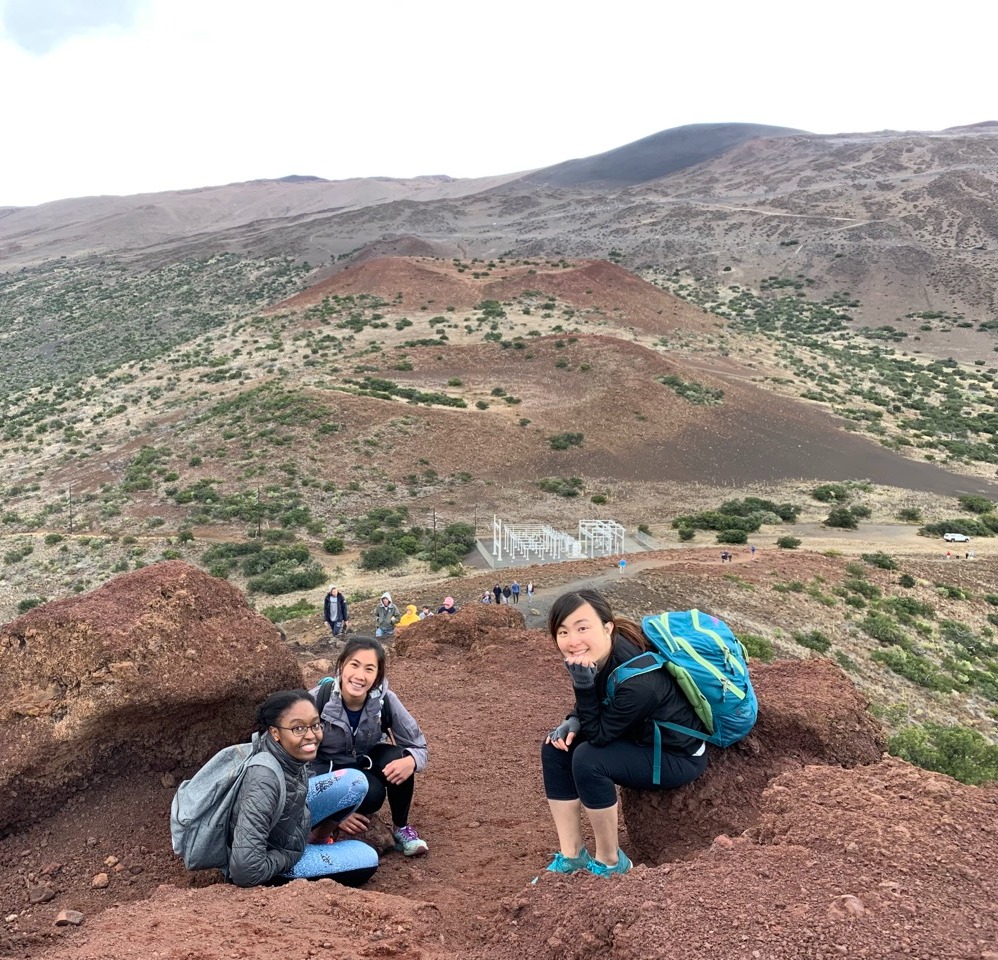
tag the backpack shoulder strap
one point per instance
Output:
(642, 663)
(264, 759)
(386, 714)
(325, 692)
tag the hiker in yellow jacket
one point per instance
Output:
(410, 616)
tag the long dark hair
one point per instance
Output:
(364, 643)
(270, 711)
(568, 603)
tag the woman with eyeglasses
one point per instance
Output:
(267, 846)
(366, 728)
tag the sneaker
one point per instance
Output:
(409, 842)
(622, 865)
(563, 864)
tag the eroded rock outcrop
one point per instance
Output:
(472, 627)
(809, 713)
(160, 667)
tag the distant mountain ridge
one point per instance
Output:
(656, 156)
(902, 221)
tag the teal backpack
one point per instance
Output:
(709, 665)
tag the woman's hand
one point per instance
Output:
(398, 771)
(582, 670)
(562, 736)
(354, 824)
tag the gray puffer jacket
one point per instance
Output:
(342, 747)
(257, 853)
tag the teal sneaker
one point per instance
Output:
(408, 842)
(563, 864)
(622, 865)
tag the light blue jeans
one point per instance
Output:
(339, 792)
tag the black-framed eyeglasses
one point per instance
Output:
(299, 730)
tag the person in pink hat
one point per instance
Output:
(448, 606)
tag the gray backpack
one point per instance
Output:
(199, 814)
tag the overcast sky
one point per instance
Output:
(131, 96)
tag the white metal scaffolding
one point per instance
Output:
(525, 542)
(601, 538)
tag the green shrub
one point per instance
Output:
(563, 441)
(29, 603)
(831, 493)
(793, 586)
(842, 518)
(910, 515)
(788, 543)
(384, 556)
(295, 611)
(686, 534)
(755, 646)
(884, 630)
(732, 536)
(974, 503)
(863, 587)
(562, 486)
(814, 640)
(695, 393)
(957, 751)
(913, 667)
(845, 661)
(907, 580)
(880, 559)
(333, 545)
(599, 499)
(51, 539)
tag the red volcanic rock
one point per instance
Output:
(157, 668)
(809, 713)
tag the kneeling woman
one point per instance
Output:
(603, 745)
(270, 846)
(366, 728)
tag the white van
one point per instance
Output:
(956, 538)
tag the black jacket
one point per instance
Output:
(636, 702)
(342, 608)
(258, 854)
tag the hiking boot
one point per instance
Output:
(409, 842)
(622, 865)
(563, 864)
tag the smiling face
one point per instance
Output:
(583, 634)
(301, 715)
(358, 673)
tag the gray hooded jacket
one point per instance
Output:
(341, 747)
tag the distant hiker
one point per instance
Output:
(515, 590)
(605, 744)
(752, 550)
(497, 590)
(425, 612)
(410, 616)
(386, 615)
(260, 853)
(447, 606)
(506, 593)
(621, 564)
(367, 728)
(530, 590)
(334, 611)
(486, 598)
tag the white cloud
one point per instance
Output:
(39, 26)
(145, 95)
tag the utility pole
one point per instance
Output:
(434, 534)
(70, 493)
